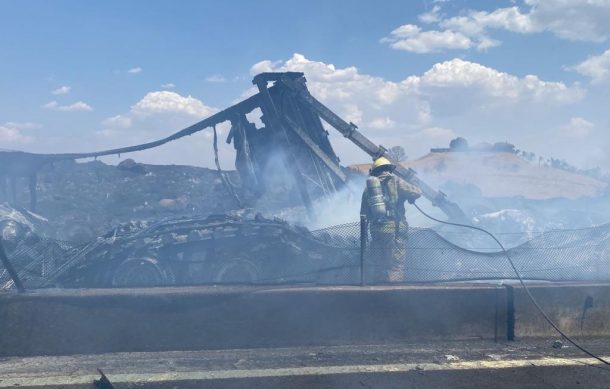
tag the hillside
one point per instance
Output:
(84, 200)
(501, 175)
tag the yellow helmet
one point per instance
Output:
(382, 161)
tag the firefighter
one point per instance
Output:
(383, 206)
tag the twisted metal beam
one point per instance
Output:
(242, 107)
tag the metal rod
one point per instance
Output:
(363, 236)
(225, 180)
(10, 269)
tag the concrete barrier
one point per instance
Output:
(580, 310)
(56, 322)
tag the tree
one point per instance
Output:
(459, 144)
(397, 153)
(504, 147)
(526, 155)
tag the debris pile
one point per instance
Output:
(161, 217)
(84, 200)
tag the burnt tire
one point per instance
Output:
(145, 271)
(236, 271)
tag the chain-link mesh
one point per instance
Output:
(414, 255)
(422, 254)
(35, 260)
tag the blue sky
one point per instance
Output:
(78, 75)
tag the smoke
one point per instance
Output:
(514, 198)
(343, 207)
(280, 189)
(283, 200)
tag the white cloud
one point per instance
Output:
(491, 85)
(431, 16)
(452, 98)
(352, 113)
(23, 125)
(62, 90)
(346, 86)
(135, 70)
(576, 20)
(161, 102)
(117, 121)
(418, 110)
(381, 123)
(476, 23)
(409, 37)
(78, 106)
(215, 78)
(159, 114)
(595, 67)
(50, 105)
(13, 135)
(169, 85)
(263, 66)
(577, 127)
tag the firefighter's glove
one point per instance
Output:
(412, 199)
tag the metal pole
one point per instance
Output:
(363, 236)
(10, 269)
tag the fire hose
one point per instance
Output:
(527, 290)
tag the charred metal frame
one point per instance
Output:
(293, 130)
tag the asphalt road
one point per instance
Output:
(464, 364)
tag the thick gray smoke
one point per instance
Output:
(512, 197)
(282, 199)
(343, 207)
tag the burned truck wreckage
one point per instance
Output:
(254, 249)
(229, 249)
(187, 251)
(292, 130)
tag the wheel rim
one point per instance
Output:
(140, 272)
(237, 271)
